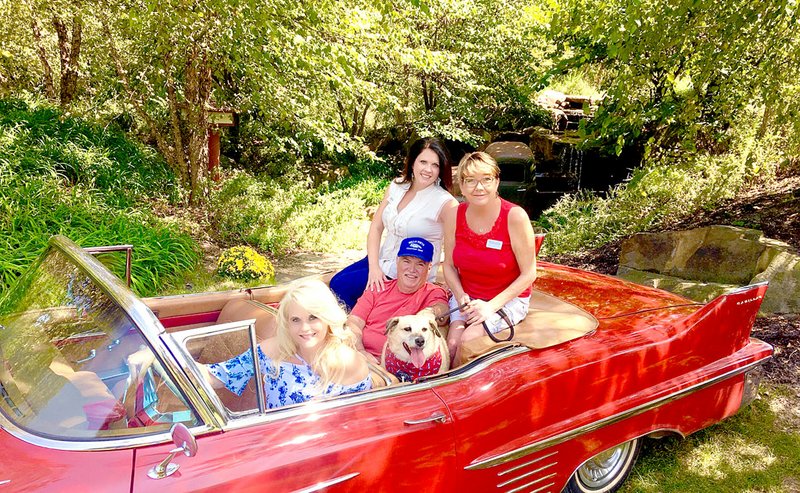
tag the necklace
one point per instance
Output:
(483, 230)
(480, 223)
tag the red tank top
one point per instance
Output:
(486, 263)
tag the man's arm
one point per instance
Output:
(356, 325)
(436, 310)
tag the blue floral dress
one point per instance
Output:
(294, 383)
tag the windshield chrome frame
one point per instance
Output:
(177, 342)
(150, 328)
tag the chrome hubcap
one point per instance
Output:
(605, 467)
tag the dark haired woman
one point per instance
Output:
(415, 204)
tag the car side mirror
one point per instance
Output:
(184, 443)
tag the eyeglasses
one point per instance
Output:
(486, 181)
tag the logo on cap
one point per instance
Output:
(416, 247)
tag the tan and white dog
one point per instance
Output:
(414, 347)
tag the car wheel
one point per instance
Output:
(606, 471)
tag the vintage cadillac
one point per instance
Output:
(598, 366)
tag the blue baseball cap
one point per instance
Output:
(416, 247)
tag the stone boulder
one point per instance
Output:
(512, 153)
(705, 262)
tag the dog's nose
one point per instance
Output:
(419, 341)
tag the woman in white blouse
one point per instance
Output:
(414, 205)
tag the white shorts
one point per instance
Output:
(516, 309)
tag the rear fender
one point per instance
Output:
(732, 315)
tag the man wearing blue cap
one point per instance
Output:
(409, 294)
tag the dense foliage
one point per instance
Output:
(305, 77)
(680, 73)
(663, 191)
(63, 176)
(282, 215)
(708, 90)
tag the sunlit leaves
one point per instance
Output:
(681, 69)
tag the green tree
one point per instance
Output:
(679, 72)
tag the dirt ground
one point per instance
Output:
(774, 210)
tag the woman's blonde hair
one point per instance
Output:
(339, 345)
(477, 162)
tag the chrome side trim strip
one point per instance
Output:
(513, 480)
(610, 420)
(520, 488)
(501, 473)
(325, 484)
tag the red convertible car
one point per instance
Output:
(599, 365)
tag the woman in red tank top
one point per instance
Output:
(490, 260)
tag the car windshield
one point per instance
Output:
(73, 365)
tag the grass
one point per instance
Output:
(756, 450)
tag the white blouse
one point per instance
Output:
(418, 218)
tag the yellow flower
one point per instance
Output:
(244, 263)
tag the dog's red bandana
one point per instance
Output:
(406, 370)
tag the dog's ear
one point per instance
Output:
(391, 324)
(434, 328)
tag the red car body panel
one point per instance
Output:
(29, 468)
(369, 439)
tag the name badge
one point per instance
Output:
(494, 244)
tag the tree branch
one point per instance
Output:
(49, 88)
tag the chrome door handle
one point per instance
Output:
(92, 354)
(435, 417)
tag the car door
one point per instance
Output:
(397, 438)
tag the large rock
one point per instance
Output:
(514, 153)
(783, 274)
(722, 254)
(705, 262)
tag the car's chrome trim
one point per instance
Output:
(752, 380)
(610, 420)
(305, 408)
(534, 461)
(177, 344)
(95, 444)
(537, 490)
(325, 484)
(531, 473)
(742, 289)
(142, 316)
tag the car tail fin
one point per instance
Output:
(732, 313)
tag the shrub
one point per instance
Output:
(38, 140)
(665, 190)
(244, 263)
(284, 215)
(62, 176)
